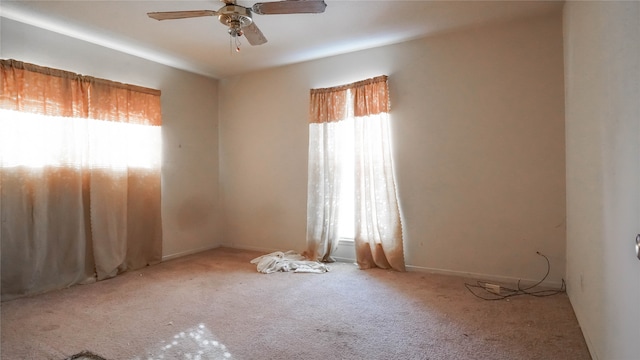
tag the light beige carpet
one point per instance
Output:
(214, 305)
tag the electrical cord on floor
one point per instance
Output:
(482, 289)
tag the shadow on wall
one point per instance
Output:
(194, 212)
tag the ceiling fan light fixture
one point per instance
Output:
(234, 15)
(235, 29)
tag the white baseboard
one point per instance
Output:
(188, 252)
(505, 280)
(344, 260)
(343, 256)
(270, 250)
(253, 248)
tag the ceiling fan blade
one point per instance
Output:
(170, 15)
(254, 35)
(289, 7)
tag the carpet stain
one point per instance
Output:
(85, 355)
(50, 327)
(335, 332)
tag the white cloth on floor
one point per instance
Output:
(287, 261)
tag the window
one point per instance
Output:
(347, 215)
(38, 141)
(80, 178)
(351, 191)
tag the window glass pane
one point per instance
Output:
(35, 140)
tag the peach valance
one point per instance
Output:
(37, 89)
(367, 97)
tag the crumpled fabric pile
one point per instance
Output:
(288, 261)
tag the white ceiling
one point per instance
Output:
(202, 45)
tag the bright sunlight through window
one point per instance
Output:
(346, 223)
(37, 141)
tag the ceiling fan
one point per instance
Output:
(239, 19)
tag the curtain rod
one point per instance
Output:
(377, 79)
(16, 64)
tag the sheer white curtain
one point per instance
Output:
(328, 109)
(378, 237)
(378, 229)
(79, 178)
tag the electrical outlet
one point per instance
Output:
(492, 288)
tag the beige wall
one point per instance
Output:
(602, 70)
(190, 135)
(478, 124)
